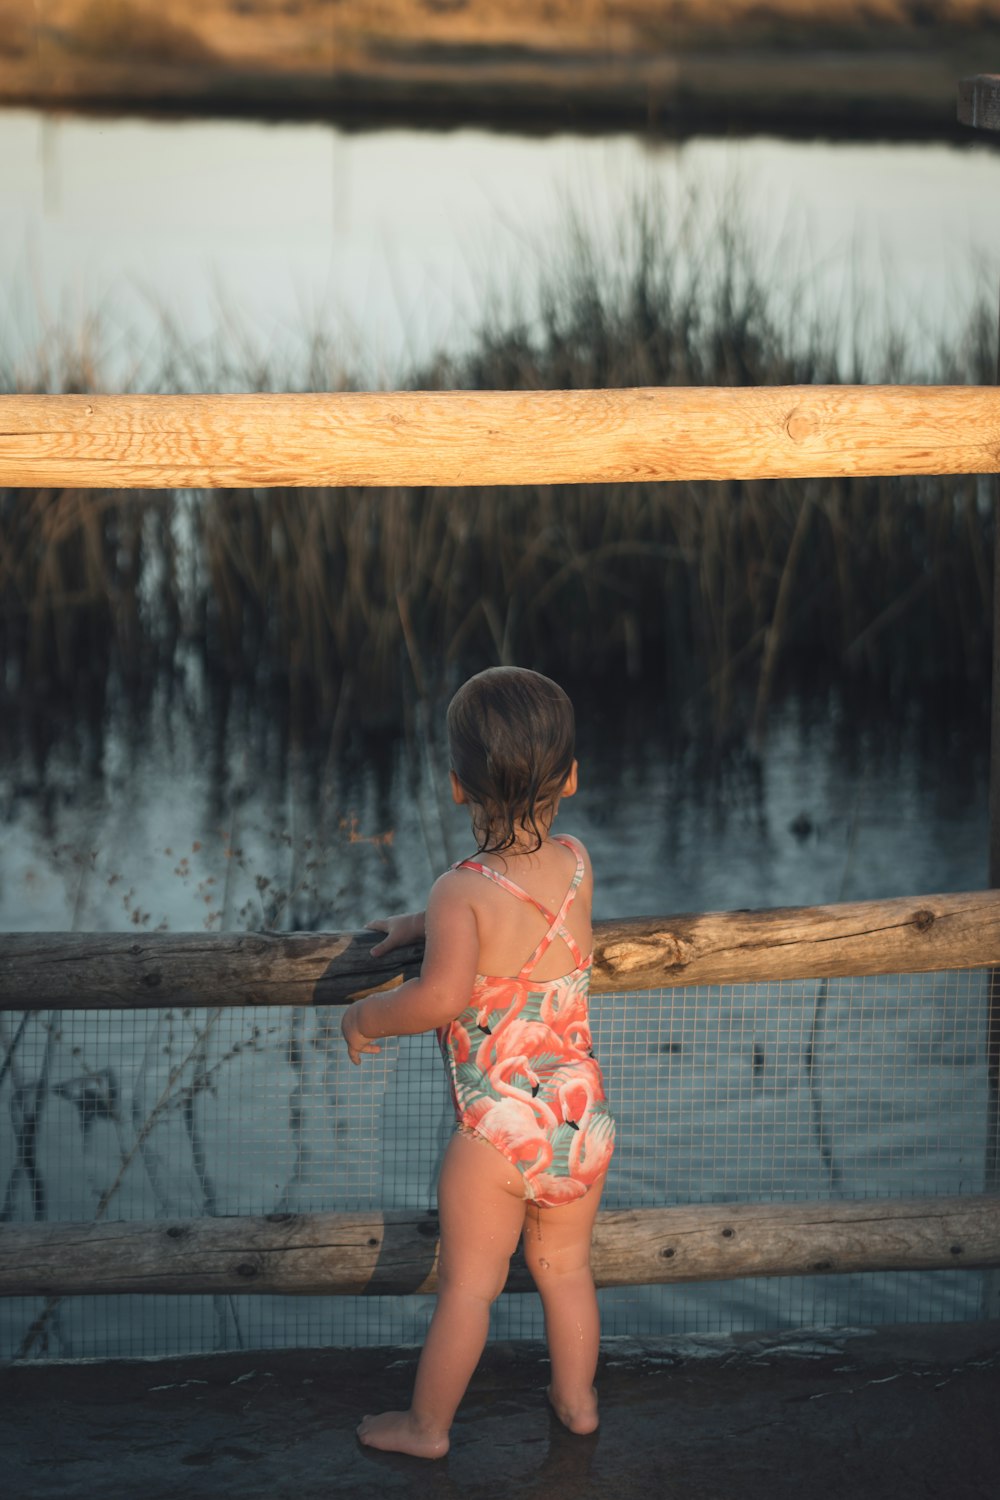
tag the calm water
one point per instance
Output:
(716, 1095)
(179, 816)
(190, 819)
(396, 237)
(195, 814)
(247, 237)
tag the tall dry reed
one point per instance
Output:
(342, 597)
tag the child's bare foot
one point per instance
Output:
(400, 1432)
(579, 1416)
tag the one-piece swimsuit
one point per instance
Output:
(521, 1064)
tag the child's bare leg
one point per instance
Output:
(557, 1250)
(481, 1208)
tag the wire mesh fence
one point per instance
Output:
(841, 1088)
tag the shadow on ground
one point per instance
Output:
(822, 1413)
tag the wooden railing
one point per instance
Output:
(475, 439)
(115, 971)
(376, 1253)
(396, 1252)
(498, 437)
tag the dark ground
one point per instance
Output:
(906, 1412)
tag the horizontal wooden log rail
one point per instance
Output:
(396, 1253)
(497, 437)
(122, 971)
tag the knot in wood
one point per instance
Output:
(923, 919)
(247, 1270)
(800, 425)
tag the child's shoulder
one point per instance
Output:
(572, 842)
(457, 883)
(576, 846)
(452, 904)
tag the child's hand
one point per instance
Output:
(357, 1042)
(400, 932)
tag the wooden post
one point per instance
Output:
(979, 107)
(979, 101)
(991, 1173)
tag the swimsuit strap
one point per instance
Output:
(557, 923)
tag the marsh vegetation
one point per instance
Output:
(356, 607)
(851, 68)
(338, 599)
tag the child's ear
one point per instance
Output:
(570, 786)
(458, 793)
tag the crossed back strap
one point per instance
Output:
(557, 923)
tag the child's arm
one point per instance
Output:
(446, 977)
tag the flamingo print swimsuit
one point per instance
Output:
(521, 1066)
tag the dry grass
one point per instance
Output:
(402, 53)
(283, 31)
(144, 34)
(344, 598)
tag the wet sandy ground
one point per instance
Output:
(902, 1411)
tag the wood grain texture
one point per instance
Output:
(122, 971)
(909, 934)
(979, 101)
(396, 1252)
(497, 437)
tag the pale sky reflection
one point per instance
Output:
(392, 239)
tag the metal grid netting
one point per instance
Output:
(845, 1088)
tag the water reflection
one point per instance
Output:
(731, 1094)
(391, 238)
(199, 809)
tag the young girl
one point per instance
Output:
(504, 983)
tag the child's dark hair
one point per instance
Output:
(512, 735)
